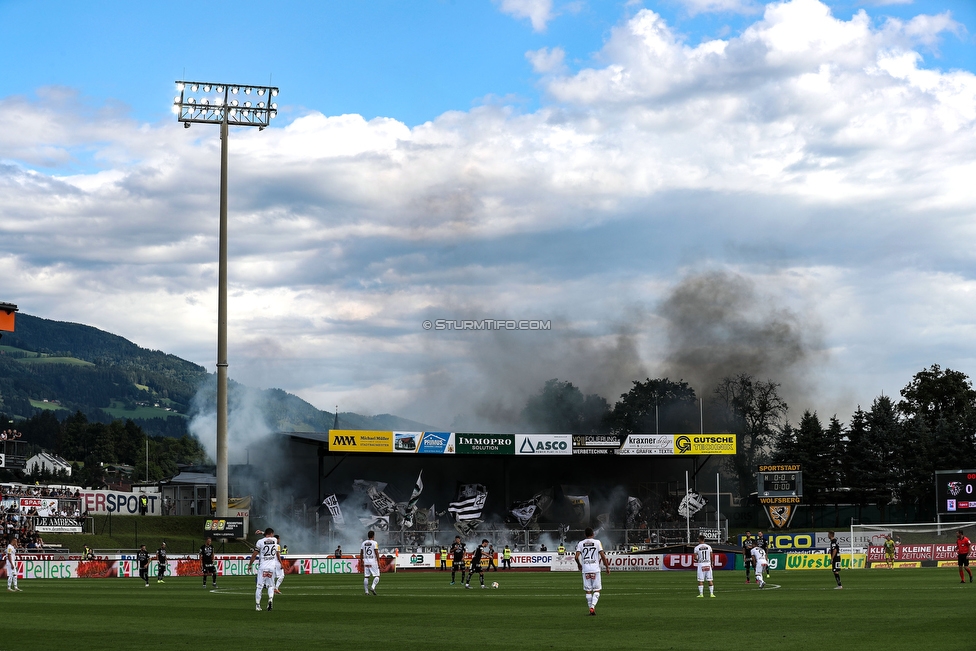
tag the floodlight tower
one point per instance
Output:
(218, 103)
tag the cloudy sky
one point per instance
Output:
(682, 187)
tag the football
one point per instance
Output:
(495, 584)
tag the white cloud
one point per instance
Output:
(811, 154)
(539, 12)
(545, 61)
(695, 7)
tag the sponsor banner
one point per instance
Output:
(406, 441)
(224, 527)
(776, 561)
(58, 525)
(947, 564)
(327, 565)
(484, 443)
(350, 440)
(544, 444)
(425, 561)
(436, 443)
(720, 561)
(541, 559)
(822, 561)
(650, 444)
(636, 562)
(564, 563)
(103, 502)
(914, 553)
(781, 467)
(185, 565)
(595, 444)
(862, 539)
(704, 444)
(44, 506)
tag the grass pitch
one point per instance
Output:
(891, 610)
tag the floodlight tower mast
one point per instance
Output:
(223, 108)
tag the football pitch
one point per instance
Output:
(899, 609)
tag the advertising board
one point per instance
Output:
(544, 444)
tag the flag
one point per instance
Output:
(691, 504)
(470, 502)
(378, 522)
(523, 511)
(363, 485)
(633, 512)
(411, 507)
(333, 503)
(581, 506)
(383, 504)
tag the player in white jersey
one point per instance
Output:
(270, 559)
(703, 559)
(279, 571)
(762, 565)
(10, 556)
(370, 560)
(589, 554)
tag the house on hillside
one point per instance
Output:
(48, 462)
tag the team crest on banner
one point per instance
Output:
(780, 515)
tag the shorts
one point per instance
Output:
(704, 573)
(963, 560)
(835, 565)
(265, 578)
(748, 561)
(371, 569)
(762, 568)
(592, 581)
(209, 568)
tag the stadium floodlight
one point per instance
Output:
(218, 109)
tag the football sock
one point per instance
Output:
(701, 589)
(376, 580)
(711, 589)
(596, 598)
(366, 584)
(589, 599)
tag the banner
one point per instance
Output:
(58, 525)
(102, 502)
(648, 444)
(944, 552)
(720, 561)
(484, 443)
(382, 503)
(349, 440)
(225, 527)
(704, 444)
(544, 444)
(636, 562)
(332, 502)
(595, 443)
(44, 506)
(436, 443)
(822, 561)
(691, 504)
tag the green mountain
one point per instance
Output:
(69, 367)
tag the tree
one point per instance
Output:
(562, 407)
(756, 413)
(673, 405)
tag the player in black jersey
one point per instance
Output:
(207, 563)
(834, 551)
(457, 558)
(161, 565)
(142, 557)
(479, 552)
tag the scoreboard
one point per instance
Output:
(955, 491)
(782, 480)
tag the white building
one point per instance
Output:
(49, 462)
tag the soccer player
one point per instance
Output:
(589, 553)
(142, 557)
(762, 542)
(370, 560)
(207, 562)
(280, 570)
(491, 558)
(457, 558)
(748, 543)
(161, 565)
(962, 554)
(10, 556)
(889, 551)
(834, 551)
(267, 550)
(479, 552)
(760, 560)
(703, 559)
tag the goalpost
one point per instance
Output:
(921, 541)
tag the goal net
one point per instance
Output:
(927, 543)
